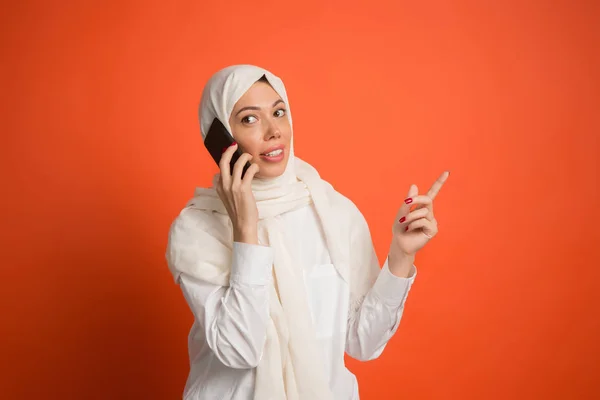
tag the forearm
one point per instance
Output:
(235, 317)
(380, 313)
(235, 326)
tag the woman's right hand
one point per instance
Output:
(236, 194)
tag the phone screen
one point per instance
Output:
(218, 139)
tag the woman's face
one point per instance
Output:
(260, 125)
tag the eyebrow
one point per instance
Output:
(258, 108)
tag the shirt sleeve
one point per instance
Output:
(379, 315)
(234, 318)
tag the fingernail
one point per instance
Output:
(224, 149)
(233, 144)
(406, 228)
(402, 219)
(408, 201)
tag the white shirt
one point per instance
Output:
(228, 335)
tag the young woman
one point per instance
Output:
(278, 268)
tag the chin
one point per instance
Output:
(271, 171)
(270, 174)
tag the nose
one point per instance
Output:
(272, 130)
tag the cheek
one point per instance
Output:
(251, 146)
(286, 131)
(248, 140)
(287, 136)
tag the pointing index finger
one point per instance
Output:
(437, 185)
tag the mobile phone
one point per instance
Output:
(217, 140)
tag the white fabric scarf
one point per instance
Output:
(200, 244)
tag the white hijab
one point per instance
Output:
(200, 245)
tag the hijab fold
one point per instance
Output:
(201, 237)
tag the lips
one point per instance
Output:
(280, 147)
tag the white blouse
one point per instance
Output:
(228, 335)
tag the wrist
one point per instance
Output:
(249, 236)
(400, 263)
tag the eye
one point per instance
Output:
(279, 113)
(249, 119)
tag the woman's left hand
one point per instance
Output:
(413, 229)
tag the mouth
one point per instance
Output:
(274, 154)
(276, 150)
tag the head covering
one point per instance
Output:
(200, 245)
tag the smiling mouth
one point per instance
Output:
(273, 153)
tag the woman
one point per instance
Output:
(278, 268)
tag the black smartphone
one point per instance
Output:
(217, 140)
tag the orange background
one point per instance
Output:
(101, 149)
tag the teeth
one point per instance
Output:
(274, 153)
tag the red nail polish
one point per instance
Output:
(402, 219)
(408, 201)
(233, 144)
(406, 228)
(224, 148)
